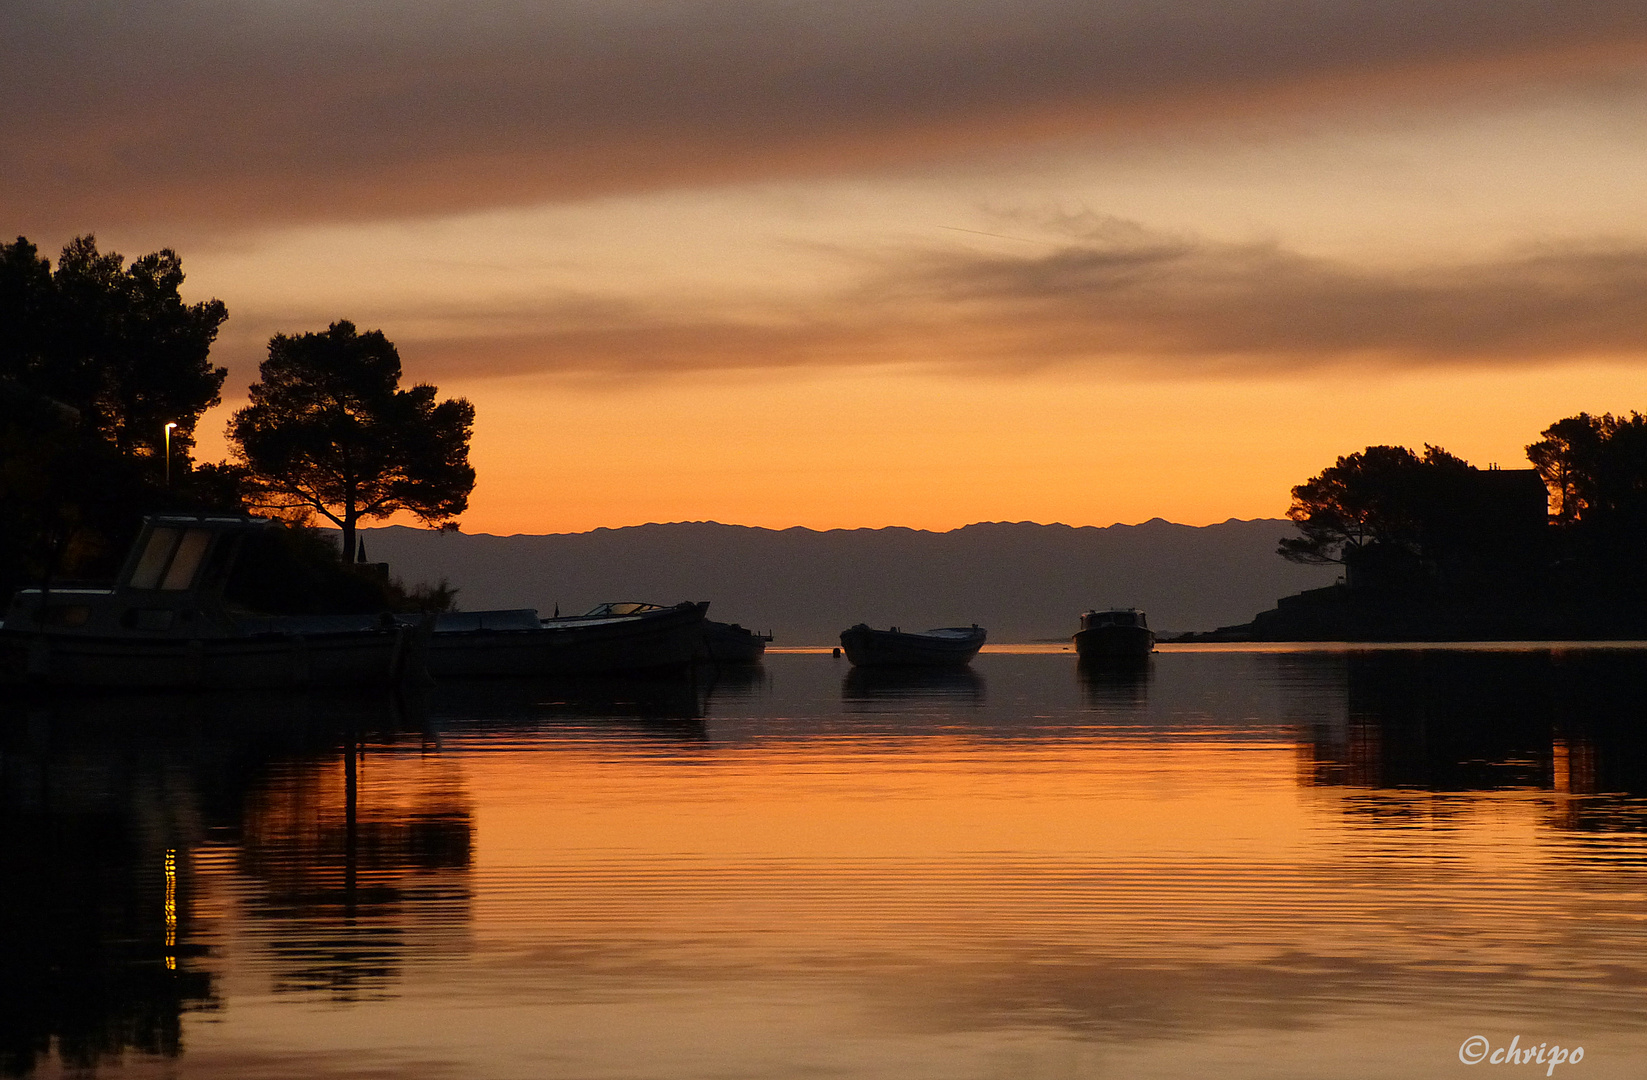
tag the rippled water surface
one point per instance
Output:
(1225, 863)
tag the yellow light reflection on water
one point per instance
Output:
(171, 909)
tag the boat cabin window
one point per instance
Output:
(153, 561)
(171, 558)
(190, 553)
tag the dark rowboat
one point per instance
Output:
(1114, 634)
(945, 647)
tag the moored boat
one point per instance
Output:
(627, 637)
(946, 646)
(729, 643)
(164, 624)
(1117, 633)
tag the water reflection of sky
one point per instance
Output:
(1242, 863)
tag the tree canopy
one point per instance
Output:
(1385, 496)
(329, 431)
(96, 358)
(117, 343)
(1594, 466)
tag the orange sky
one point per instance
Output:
(881, 448)
(876, 266)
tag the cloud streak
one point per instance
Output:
(252, 112)
(1259, 304)
(1117, 297)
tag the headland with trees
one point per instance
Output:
(1434, 548)
(105, 373)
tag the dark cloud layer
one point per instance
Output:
(1118, 297)
(252, 111)
(1261, 304)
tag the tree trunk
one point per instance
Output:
(349, 518)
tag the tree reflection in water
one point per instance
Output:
(84, 961)
(114, 810)
(1455, 720)
(355, 854)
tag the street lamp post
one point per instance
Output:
(169, 453)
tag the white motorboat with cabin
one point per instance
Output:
(1116, 633)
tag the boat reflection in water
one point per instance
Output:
(1116, 683)
(661, 703)
(929, 685)
(733, 682)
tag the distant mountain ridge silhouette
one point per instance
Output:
(1023, 581)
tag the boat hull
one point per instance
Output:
(254, 662)
(654, 641)
(867, 647)
(1114, 642)
(729, 643)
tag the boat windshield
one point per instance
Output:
(156, 553)
(623, 609)
(186, 563)
(171, 558)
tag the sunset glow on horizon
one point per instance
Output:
(883, 264)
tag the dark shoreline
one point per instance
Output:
(1340, 613)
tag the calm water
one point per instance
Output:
(1251, 864)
